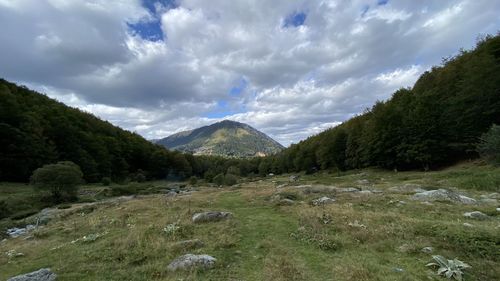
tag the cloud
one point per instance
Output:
(288, 68)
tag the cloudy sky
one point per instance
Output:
(289, 68)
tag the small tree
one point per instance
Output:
(61, 179)
(230, 179)
(219, 179)
(489, 145)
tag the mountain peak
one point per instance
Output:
(225, 138)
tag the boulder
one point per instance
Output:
(346, 189)
(19, 231)
(323, 201)
(443, 195)
(44, 274)
(427, 250)
(171, 193)
(476, 215)
(293, 178)
(286, 202)
(190, 261)
(210, 216)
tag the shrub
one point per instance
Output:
(4, 210)
(61, 179)
(106, 181)
(230, 179)
(129, 189)
(489, 145)
(219, 179)
(193, 180)
(139, 176)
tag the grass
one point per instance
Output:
(356, 238)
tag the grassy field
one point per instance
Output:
(375, 236)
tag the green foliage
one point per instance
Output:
(219, 179)
(139, 176)
(106, 181)
(451, 269)
(489, 146)
(61, 179)
(230, 179)
(433, 124)
(4, 209)
(193, 180)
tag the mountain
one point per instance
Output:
(225, 138)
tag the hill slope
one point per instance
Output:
(225, 138)
(36, 130)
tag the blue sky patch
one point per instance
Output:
(147, 30)
(295, 19)
(382, 2)
(224, 109)
(236, 90)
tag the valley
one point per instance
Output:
(374, 230)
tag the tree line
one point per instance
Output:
(436, 122)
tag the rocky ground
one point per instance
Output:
(363, 225)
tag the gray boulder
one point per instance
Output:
(476, 215)
(190, 261)
(346, 189)
(285, 202)
(210, 216)
(323, 201)
(443, 195)
(44, 274)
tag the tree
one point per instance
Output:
(489, 145)
(61, 179)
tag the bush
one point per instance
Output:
(61, 180)
(219, 179)
(106, 181)
(209, 175)
(230, 179)
(489, 145)
(139, 176)
(129, 189)
(193, 180)
(4, 210)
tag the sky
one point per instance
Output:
(288, 68)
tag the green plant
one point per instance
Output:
(106, 181)
(489, 145)
(449, 268)
(219, 179)
(61, 179)
(4, 210)
(193, 180)
(230, 179)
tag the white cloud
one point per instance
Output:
(298, 80)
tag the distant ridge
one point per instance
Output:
(226, 138)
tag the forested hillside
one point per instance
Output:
(36, 130)
(435, 123)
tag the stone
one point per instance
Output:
(467, 224)
(171, 194)
(476, 215)
(19, 231)
(363, 182)
(346, 189)
(443, 195)
(210, 216)
(44, 274)
(293, 178)
(286, 202)
(490, 201)
(427, 250)
(190, 261)
(323, 201)
(189, 244)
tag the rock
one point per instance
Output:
(19, 231)
(467, 224)
(365, 192)
(443, 195)
(346, 189)
(293, 178)
(189, 244)
(498, 209)
(363, 182)
(171, 194)
(427, 250)
(488, 201)
(407, 188)
(280, 186)
(476, 215)
(286, 202)
(210, 216)
(44, 274)
(323, 201)
(397, 269)
(190, 261)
